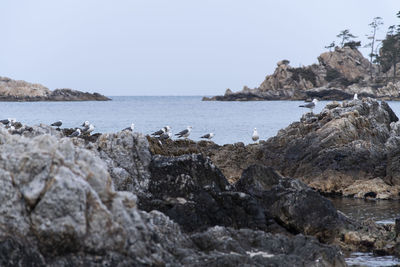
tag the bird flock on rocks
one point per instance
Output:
(163, 134)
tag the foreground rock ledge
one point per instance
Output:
(12, 90)
(61, 207)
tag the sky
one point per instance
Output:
(174, 47)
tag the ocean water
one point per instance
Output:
(230, 121)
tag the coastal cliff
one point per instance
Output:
(13, 90)
(338, 76)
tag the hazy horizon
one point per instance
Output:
(156, 48)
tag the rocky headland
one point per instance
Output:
(12, 90)
(349, 149)
(126, 199)
(338, 76)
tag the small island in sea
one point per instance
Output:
(13, 90)
(338, 75)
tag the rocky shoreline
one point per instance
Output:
(338, 76)
(21, 91)
(126, 199)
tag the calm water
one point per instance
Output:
(382, 212)
(230, 121)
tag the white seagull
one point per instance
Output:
(76, 133)
(255, 136)
(355, 97)
(162, 130)
(185, 133)
(310, 105)
(130, 128)
(208, 136)
(88, 129)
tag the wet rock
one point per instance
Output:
(264, 249)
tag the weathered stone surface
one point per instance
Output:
(338, 76)
(60, 208)
(12, 90)
(128, 157)
(341, 150)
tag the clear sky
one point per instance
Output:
(171, 47)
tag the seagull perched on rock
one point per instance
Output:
(8, 121)
(57, 123)
(310, 105)
(76, 133)
(185, 133)
(162, 130)
(165, 136)
(5, 121)
(130, 128)
(88, 129)
(355, 97)
(208, 136)
(255, 135)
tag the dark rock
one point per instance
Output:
(256, 179)
(264, 249)
(195, 194)
(19, 253)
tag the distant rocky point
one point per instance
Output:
(338, 76)
(13, 90)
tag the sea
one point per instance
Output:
(230, 121)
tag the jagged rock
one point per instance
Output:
(195, 194)
(346, 63)
(337, 151)
(60, 208)
(338, 76)
(127, 156)
(12, 90)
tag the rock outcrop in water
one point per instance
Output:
(350, 148)
(338, 76)
(12, 90)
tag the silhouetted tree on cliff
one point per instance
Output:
(375, 24)
(332, 45)
(389, 54)
(345, 36)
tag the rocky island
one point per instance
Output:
(12, 90)
(126, 199)
(338, 75)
